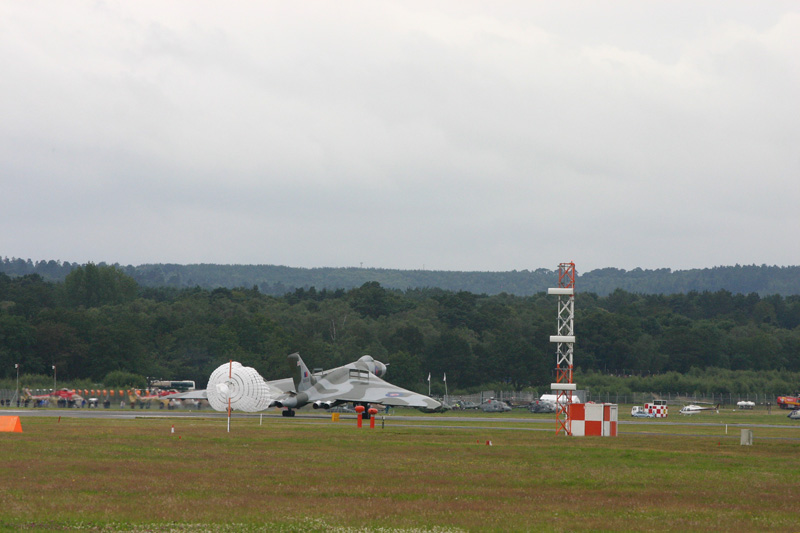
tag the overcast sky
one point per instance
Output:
(450, 135)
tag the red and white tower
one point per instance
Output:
(565, 341)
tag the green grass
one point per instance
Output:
(315, 475)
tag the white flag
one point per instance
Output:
(429, 377)
(445, 377)
(16, 365)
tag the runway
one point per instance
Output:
(497, 422)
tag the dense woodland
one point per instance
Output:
(99, 325)
(278, 280)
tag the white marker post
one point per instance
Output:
(230, 377)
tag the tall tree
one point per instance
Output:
(94, 286)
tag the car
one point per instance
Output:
(795, 415)
(638, 412)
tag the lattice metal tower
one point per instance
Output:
(565, 341)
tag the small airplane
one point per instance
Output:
(359, 383)
(692, 409)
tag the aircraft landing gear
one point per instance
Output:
(287, 412)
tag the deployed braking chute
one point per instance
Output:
(242, 385)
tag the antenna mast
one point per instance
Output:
(564, 348)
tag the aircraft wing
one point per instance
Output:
(191, 395)
(284, 385)
(368, 388)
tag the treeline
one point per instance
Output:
(707, 382)
(278, 280)
(99, 322)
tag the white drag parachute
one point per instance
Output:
(243, 385)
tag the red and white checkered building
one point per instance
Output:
(658, 408)
(593, 419)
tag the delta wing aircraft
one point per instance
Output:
(358, 383)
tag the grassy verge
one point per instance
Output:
(315, 475)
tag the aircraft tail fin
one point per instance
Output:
(299, 372)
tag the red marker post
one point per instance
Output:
(359, 410)
(372, 412)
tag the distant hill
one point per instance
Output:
(278, 280)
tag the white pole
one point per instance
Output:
(16, 394)
(230, 377)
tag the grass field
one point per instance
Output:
(317, 475)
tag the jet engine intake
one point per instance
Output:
(380, 369)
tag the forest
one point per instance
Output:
(277, 280)
(99, 326)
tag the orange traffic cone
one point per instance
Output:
(10, 423)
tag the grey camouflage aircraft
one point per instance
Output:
(358, 383)
(495, 406)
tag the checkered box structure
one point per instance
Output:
(593, 419)
(658, 408)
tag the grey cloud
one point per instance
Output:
(458, 135)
